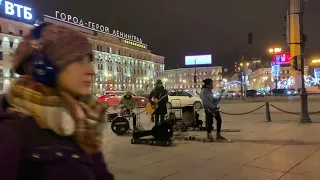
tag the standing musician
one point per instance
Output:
(159, 92)
(127, 102)
(210, 106)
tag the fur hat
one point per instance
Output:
(61, 45)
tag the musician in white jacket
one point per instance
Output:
(210, 106)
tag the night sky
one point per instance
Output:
(175, 28)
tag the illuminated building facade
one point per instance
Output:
(183, 78)
(11, 33)
(262, 78)
(120, 64)
(121, 61)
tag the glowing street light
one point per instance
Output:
(274, 50)
(316, 61)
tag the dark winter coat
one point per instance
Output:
(158, 93)
(29, 152)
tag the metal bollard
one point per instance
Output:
(268, 116)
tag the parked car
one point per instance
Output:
(230, 94)
(254, 93)
(278, 92)
(182, 98)
(292, 92)
(113, 99)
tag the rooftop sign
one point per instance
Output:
(94, 26)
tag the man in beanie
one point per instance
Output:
(52, 128)
(210, 105)
(159, 92)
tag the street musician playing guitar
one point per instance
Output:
(211, 110)
(161, 94)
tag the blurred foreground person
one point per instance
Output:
(51, 128)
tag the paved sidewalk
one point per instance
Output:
(283, 149)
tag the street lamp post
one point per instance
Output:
(273, 51)
(303, 95)
(243, 66)
(195, 75)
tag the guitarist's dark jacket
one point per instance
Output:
(208, 101)
(158, 93)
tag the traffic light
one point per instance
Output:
(250, 38)
(295, 63)
(235, 69)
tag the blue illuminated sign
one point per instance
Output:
(16, 10)
(275, 69)
(317, 73)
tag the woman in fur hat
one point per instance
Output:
(51, 127)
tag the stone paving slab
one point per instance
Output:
(283, 149)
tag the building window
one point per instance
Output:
(11, 44)
(20, 32)
(11, 33)
(134, 71)
(0, 29)
(109, 50)
(1, 56)
(117, 51)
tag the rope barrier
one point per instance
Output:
(242, 113)
(284, 110)
(316, 112)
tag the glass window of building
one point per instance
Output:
(117, 51)
(20, 32)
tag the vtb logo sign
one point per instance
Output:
(17, 10)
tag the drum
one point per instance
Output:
(126, 113)
(111, 116)
(120, 125)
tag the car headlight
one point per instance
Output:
(142, 100)
(288, 92)
(296, 92)
(234, 94)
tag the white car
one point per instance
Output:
(182, 98)
(230, 94)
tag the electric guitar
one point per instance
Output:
(151, 108)
(216, 103)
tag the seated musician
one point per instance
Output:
(127, 102)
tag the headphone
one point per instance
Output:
(44, 71)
